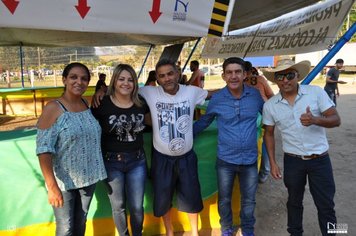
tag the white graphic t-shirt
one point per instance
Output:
(172, 117)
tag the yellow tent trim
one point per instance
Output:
(218, 17)
(221, 6)
(216, 27)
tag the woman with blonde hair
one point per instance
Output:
(121, 115)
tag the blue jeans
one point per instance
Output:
(71, 218)
(126, 182)
(322, 188)
(248, 179)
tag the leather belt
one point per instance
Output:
(120, 156)
(310, 157)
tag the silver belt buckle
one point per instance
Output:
(305, 158)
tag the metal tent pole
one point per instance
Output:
(228, 16)
(144, 62)
(21, 64)
(191, 54)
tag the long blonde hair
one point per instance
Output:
(116, 74)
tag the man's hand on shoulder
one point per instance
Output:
(211, 92)
(97, 97)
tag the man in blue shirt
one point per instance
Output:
(301, 113)
(236, 109)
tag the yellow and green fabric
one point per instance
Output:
(25, 210)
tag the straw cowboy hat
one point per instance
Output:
(302, 67)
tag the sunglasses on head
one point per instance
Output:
(289, 76)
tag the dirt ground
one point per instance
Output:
(271, 196)
(14, 123)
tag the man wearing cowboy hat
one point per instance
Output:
(301, 113)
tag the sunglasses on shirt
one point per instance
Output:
(289, 76)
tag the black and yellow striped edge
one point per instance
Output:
(218, 17)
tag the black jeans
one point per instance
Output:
(322, 188)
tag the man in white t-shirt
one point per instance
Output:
(174, 163)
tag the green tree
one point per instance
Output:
(349, 21)
(43, 57)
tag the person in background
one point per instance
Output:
(236, 108)
(301, 113)
(179, 68)
(332, 80)
(183, 79)
(202, 81)
(121, 115)
(197, 77)
(151, 80)
(257, 81)
(101, 82)
(69, 152)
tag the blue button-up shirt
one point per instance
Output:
(296, 138)
(236, 123)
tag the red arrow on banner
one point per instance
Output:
(11, 5)
(155, 13)
(82, 8)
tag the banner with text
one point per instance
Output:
(153, 17)
(308, 29)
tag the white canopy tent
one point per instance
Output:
(308, 29)
(134, 22)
